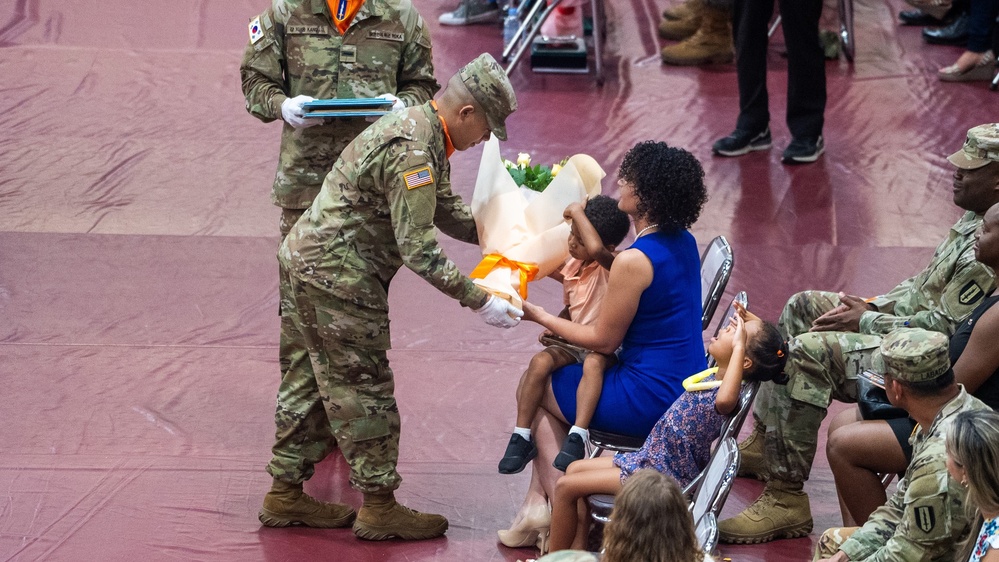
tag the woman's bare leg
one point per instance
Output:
(858, 453)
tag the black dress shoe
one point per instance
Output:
(954, 34)
(920, 18)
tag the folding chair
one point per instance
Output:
(710, 491)
(716, 269)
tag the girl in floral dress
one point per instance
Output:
(973, 460)
(680, 443)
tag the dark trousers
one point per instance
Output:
(806, 71)
(982, 25)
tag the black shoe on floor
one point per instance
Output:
(519, 452)
(573, 449)
(921, 18)
(741, 142)
(803, 150)
(954, 34)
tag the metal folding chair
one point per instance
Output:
(717, 262)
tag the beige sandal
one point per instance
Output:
(984, 70)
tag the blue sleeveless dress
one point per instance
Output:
(662, 346)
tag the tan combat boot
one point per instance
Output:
(286, 504)
(781, 512)
(751, 463)
(680, 29)
(681, 11)
(381, 518)
(711, 43)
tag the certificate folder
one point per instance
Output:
(362, 107)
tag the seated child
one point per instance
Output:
(680, 443)
(596, 231)
(650, 522)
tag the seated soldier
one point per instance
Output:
(926, 518)
(832, 340)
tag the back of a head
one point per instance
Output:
(973, 442)
(768, 350)
(610, 222)
(650, 522)
(668, 182)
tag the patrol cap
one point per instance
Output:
(488, 84)
(912, 355)
(980, 148)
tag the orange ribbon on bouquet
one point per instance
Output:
(528, 271)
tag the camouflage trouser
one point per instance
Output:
(303, 431)
(353, 384)
(822, 366)
(831, 540)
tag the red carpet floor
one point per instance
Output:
(138, 289)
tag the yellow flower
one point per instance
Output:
(524, 159)
(556, 169)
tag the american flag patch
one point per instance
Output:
(418, 177)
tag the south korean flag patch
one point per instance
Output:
(256, 32)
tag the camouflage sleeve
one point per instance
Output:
(452, 216)
(262, 68)
(410, 182)
(930, 514)
(971, 282)
(416, 81)
(880, 527)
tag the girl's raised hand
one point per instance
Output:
(743, 313)
(739, 337)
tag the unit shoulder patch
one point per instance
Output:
(970, 293)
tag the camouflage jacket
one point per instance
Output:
(926, 518)
(297, 50)
(377, 211)
(939, 297)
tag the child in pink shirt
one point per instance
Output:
(596, 230)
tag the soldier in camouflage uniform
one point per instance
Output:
(300, 50)
(377, 211)
(926, 518)
(832, 339)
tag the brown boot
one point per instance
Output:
(286, 504)
(680, 29)
(711, 43)
(781, 512)
(381, 518)
(751, 464)
(681, 11)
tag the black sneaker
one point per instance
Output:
(803, 150)
(742, 142)
(573, 449)
(519, 452)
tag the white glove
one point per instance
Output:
(397, 104)
(500, 313)
(291, 112)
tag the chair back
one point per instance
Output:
(711, 493)
(740, 298)
(716, 269)
(733, 423)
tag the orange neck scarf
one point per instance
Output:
(343, 12)
(448, 145)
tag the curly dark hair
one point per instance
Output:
(768, 350)
(611, 223)
(668, 182)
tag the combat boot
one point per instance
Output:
(711, 43)
(381, 518)
(683, 10)
(751, 464)
(781, 512)
(680, 29)
(286, 504)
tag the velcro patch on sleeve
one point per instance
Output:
(418, 177)
(971, 293)
(256, 31)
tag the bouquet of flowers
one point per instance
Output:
(521, 230)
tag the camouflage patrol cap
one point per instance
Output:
(488, 84)
(980, 148)
(912, 355)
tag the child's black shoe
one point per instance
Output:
(573, 449)
(519, 452)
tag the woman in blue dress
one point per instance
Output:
(652, 312)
